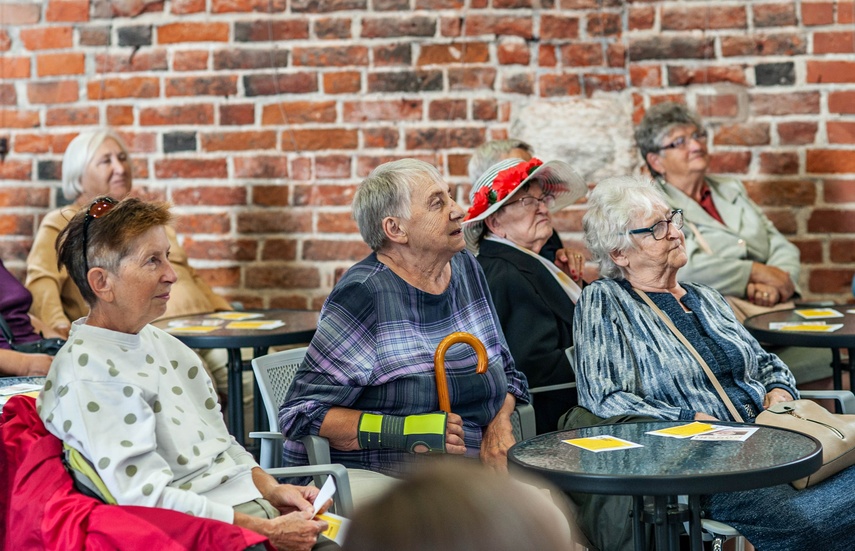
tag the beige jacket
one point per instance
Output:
(57, 300)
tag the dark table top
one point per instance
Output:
(9, 381)
(300, 326)
(668, 466)
(844, 337)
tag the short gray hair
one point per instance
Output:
(387, 192)
(613, 205)
(658, 121)
(490, 153)
(78, 154)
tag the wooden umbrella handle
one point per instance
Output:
(439, 363)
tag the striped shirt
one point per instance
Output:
(373, 351)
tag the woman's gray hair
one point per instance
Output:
(78, 154)
(490, 153)
(387, 192)
(658, 121)
(613, 206)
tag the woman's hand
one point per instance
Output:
(295, 531)
(776, 396)
(289, 498)
(762, 295)
(771, 276)
(498, 438)
(18, 364)
(571, 262)
(700, 416)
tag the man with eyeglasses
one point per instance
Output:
(732, 246)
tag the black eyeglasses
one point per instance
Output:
(660, 229)
(530, 201)
(683, 141)
(97, 209)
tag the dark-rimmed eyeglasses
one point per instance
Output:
(660, 229)
(97, 209)
(530, 201)
(683, 141)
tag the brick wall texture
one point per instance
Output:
(257, 118)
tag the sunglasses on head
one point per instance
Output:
(97, 209)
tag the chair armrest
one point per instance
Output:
(317, 448)
(527, 427)
(270, 451)
(343, 498)
(845, 399)
(266, 434)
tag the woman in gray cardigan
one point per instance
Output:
(628, 362)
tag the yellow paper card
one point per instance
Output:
(258, 324)
(812, 328)
(814, 313)
(602, 443)
(193, 329)
(235, 316)
(684, 431)
(337, 526)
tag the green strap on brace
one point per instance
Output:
(86, 478)
(393, 432)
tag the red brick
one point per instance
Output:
(15, 67)
(602, 24)
(547, 56)
(15, 170)
(841, 251)
(433, 5)
(471, 78)
(837, 281)
(443, 138)
(365, 164)
(644, 76)
(31, 143)
(682, 18)
(72, 116)
(840, 132)
(330, 57)
(839, 191)
(140, 142)
(845, 12)
(237, 114)
(24, 197)
(641, 17)
(344, 82)
(281, 277)
(301, 169)
(5, 41)
(194, 60)
(238, 141)
(321, 195)
(841, 101)
(602, 83)
(479, 24)
(299, 112)
(59, 64)
(392, 55)
(225, 6)
(451, 26)
(681, 75)
(833, 42)
(265, 30)
(560, 85)
(193, 114)
(261, 166)
(203, 223)
(332, 28)
(19, 13)
(797, 132)
(190, 168)
(271, 196)
(267, 221)
(388, 110)
(485, 110)
(399, 26)
(680, 46)
(743, 134)
(315, 140)
(779, 162)
(796, 103)
(150, 60)
(67, 10)
(201, 86)
(8, 95)
(332, 167)
(582, 54)
(183, 7)
(519, 83)
(825, 72)
(384, 138)
(736, 162)
(456, 52)
(513, 52)
(774, 15)
(458, 165)
(120, 115)
(810, 251)
(559, 27)
(336, 222)
(173, 33)
(47, 38)
(219, 196)
(817, 13)
(276, 84)
(323, 250)
(221, 249)
(784, 220)
(763, 45)
(616, 55)
(132, 87)
(447, 110)
(830, 161)
(279, 249)
(64, 91)
(222, 277)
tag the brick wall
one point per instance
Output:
(257, 118)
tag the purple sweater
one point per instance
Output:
(15, 302)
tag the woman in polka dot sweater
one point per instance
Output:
(137, 403)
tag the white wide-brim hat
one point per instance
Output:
(556, 178)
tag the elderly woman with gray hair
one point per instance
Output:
(632, 362)
(367, 383)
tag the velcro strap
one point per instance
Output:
(385, 432)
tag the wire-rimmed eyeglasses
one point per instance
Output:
(529, 201)
(683, 141)
(660, 229)
(97, 209)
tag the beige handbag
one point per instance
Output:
(836, 432)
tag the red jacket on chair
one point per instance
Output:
(41, 509)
